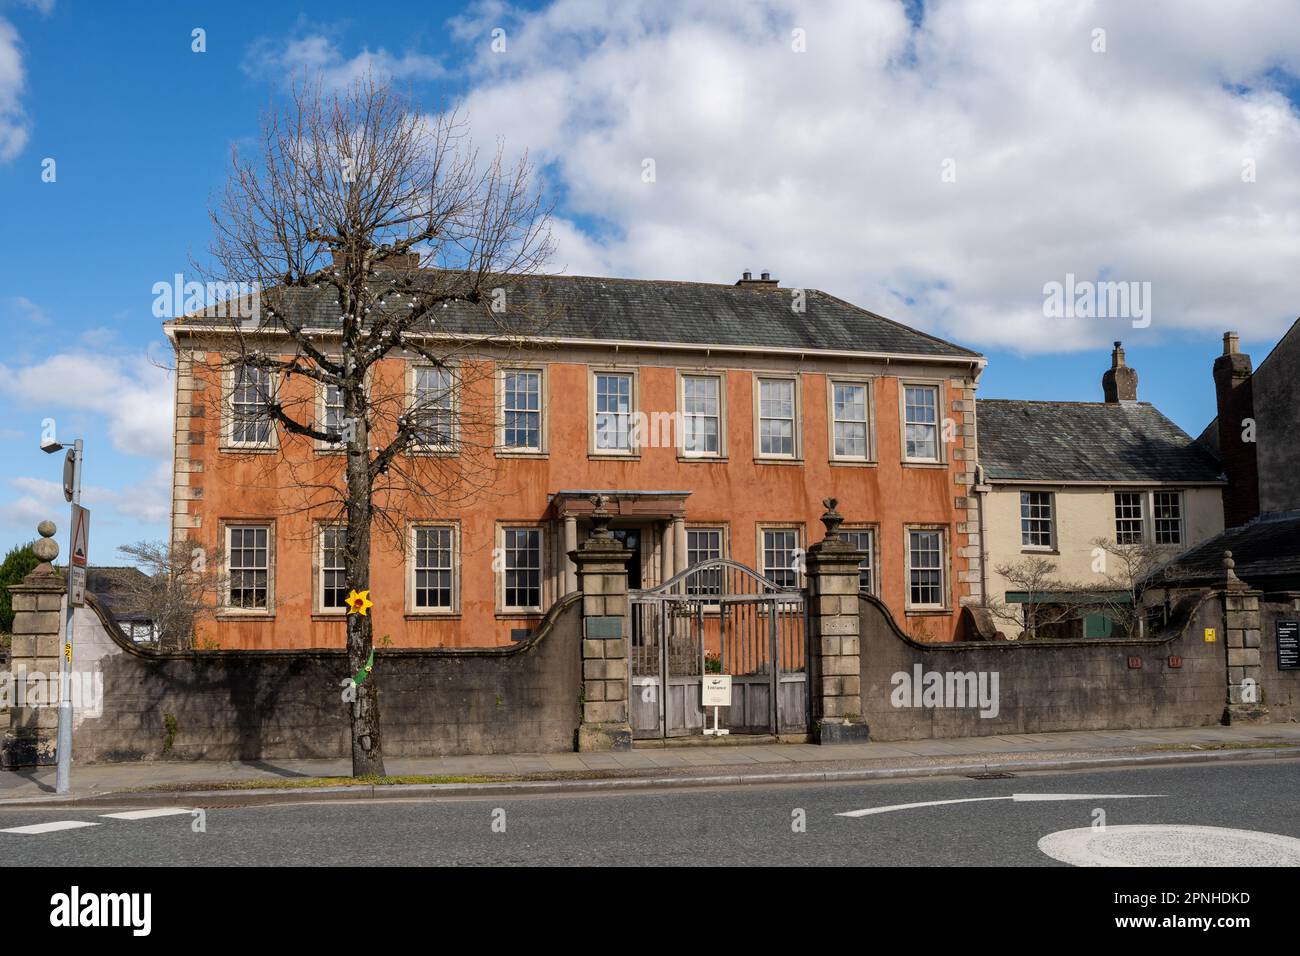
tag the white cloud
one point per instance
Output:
(36, 499)
(23, 310)
(149, 500)
(825, 166)
(131, 393)
(14, 128)
(315, 56)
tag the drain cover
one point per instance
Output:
(992, 775)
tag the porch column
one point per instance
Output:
(667, 563)
(570, 544)
(31, 737)
(679, 544)
(834, 664)
(602, 575)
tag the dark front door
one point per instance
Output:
(630, 538)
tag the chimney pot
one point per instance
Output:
(765, 276)
(747, 275)
(1231, 343)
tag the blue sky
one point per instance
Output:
(822, 165)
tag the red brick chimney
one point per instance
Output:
(1236, 401)
(1120, 383)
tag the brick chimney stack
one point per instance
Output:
(1120, 383)
(1236, 400)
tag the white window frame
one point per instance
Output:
(721, 531)
(869, 432)
(942, 532)
(872, 552)
(1143, 509)
(1051, 520)
(412, 569)
(541, 447)
(634, 404)
(796, 415)
(322, 418)
(720, 380)
(937, 389)
(1146, 498)
(229, 415)
(321, 530)
(413, 378)
(798, 551)
(1181, 499)
(228, 572)
(529, 610)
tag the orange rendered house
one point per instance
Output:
(716, 418)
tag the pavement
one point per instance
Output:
(144, 783)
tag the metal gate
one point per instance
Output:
(718, 617)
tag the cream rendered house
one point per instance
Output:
(1054, 477)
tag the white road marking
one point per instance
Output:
(50, 827)
(1015, 798)
(1170, 845)
(146, 814)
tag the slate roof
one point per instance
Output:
(113, 585)
(1266, 552)
(1086, 441)
(690, 313)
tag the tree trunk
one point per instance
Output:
(367, 746)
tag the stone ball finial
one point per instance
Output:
(45, 547)
(1228, 563)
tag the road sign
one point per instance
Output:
(78, 578)
(80, 536)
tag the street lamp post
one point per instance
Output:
(72, 492)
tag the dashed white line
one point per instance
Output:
(1015, 798)
(50, 827)
(147, 814)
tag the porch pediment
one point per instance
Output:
(621, 504)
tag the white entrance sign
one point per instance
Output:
(717, 690)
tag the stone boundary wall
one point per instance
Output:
(1046, 685)
(1281, 687)
(266, 705)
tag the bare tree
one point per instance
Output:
(178, 589)
(366, 228)
(1125, 570)
(1049, 601)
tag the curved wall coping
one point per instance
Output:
(1185, 610)
(546, 625)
